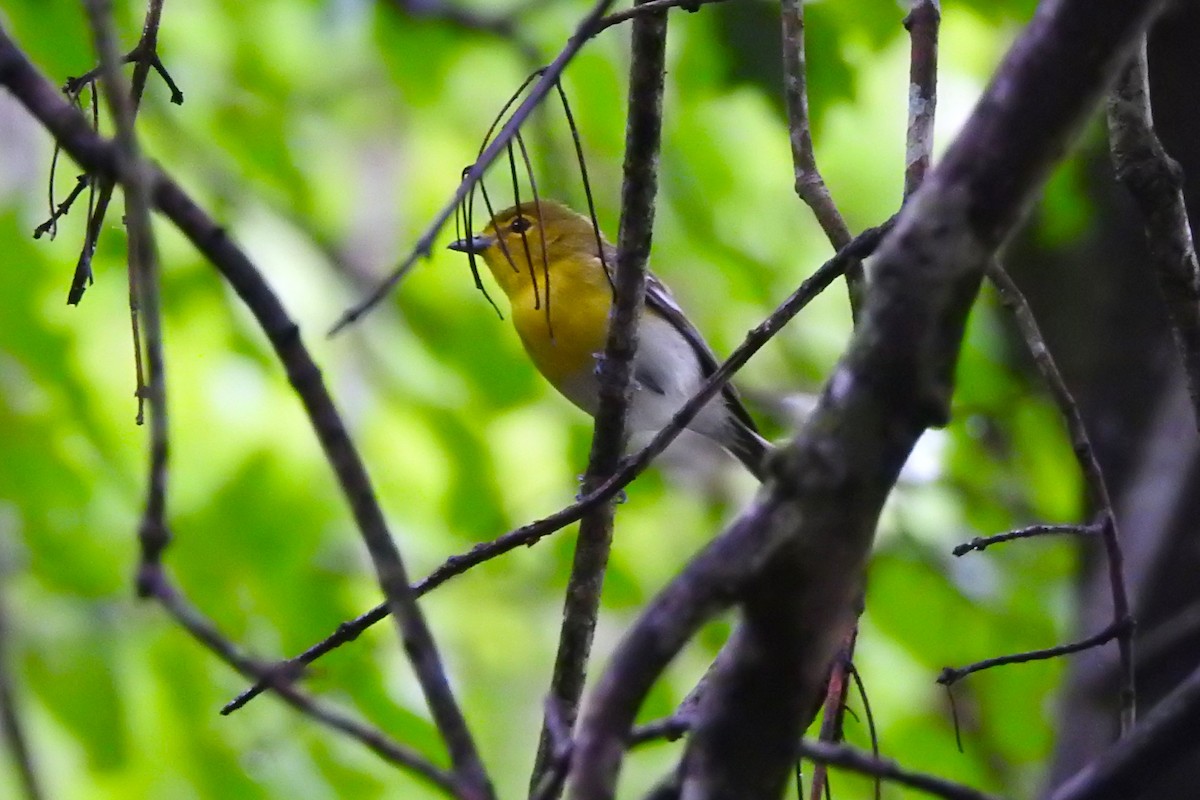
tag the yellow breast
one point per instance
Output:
(564, 343)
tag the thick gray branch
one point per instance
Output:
(795, 558)
(1156, 183)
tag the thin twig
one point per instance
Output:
(12, 729)
(206, 633)
(667, 729)
(424, 244)
(922, 22)
(1155, 181)
(144, 57)
(982, 543)
(651, 7)
(951, 675)
(153, 533)
(843, 756)
(872, 731)
(527, 535)
(100, 157)
(810, 186)
(50, 226)
(834, 709)
(639, 189)
(1093, 477)
(886, 769)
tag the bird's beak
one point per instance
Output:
(476, 244)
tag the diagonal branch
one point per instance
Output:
(643, 135)
(1155, 181)
(810, 186)
(527, 535)
(1163, 737)
(144, 289)
(1093, 477)
(101, 158)
(206, 633)
(982, 543)
(794, 559)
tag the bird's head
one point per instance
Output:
(514, 241)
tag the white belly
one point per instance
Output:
(666, 373)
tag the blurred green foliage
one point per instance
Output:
(325, 136)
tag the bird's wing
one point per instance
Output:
(660, 301)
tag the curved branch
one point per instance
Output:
(1155, 181)
(801, 545)
(585, 30)
(101, 158)
(809, 185)
(527, 535)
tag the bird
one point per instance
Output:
(547, 260)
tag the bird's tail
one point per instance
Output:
(748, 446)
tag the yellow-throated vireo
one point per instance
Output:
(672, 357)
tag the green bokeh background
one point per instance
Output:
(325, 136)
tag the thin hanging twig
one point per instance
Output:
(527, 535)
(101, 158)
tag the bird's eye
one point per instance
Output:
(520, 225)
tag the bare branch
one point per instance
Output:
(153, 533)
(1155, 181)
(843, 756)
(206, 633)
(1093, 477)
(794, 558)
(982, 543)
(866, 764)
(643, 135)
(810, 186)
(1161, 739)
(952, 675)
(861, 247)
(101, 158)
(923, 20)
(144, 57)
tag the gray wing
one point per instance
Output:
(659, 299)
